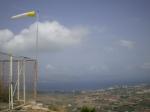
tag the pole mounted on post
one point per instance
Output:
(32, 14)
(37, 34)
(36, 62)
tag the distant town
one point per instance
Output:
(113, 99)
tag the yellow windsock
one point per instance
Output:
(27, 14)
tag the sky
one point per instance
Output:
(83, 44)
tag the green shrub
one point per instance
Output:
(4, 95)
(87, 109)
(52, 107)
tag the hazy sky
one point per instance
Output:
(89, 42)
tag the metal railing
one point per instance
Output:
(18, 78)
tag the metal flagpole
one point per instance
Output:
(36, 63)
(37, 36)
(30, 14)
(18, 81)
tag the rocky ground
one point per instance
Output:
(115, 99)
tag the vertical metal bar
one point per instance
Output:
(9, 95)
(36, 63)
(1, 75)
(11, 81)
(18, 87)
(24, 82)
(9, 88)
(37, 36)
(35, 79)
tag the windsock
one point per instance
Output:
(26, 14)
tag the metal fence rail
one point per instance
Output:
(18, 77)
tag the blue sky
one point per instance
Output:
(88, 42)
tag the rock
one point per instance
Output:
(27, 106)
(39, 104)
(45, 109)
(35, 107)
(32, 102)
(69, 105)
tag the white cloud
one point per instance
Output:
(5, 36)
(52, 36)
(126, 43)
